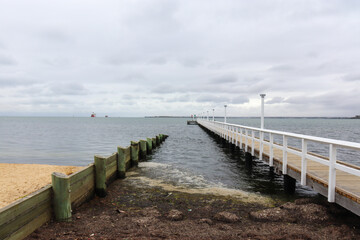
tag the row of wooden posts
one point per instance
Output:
(135, 152)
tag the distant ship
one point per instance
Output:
(106, 116)
(93, 114)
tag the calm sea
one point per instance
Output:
(189, 157)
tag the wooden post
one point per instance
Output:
(121, 165)
(61, 201)
(100, 176)
(142, 145)
(148, 145)
(157, 140)
(134, 153)
(154, 143)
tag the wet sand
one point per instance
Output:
(19, 180)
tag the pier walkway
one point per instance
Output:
(334, 179)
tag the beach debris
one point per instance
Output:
(175, 215)
(226, 217)
(206, 220)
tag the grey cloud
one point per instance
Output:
(224, 79)
(68, 89)
(213, 99)
(15, 82)
(181, 98)
(55, 35)
(239, 100)
(158, 61)
(352, 77)
(50, 101)
(190, 62)
(275, 100)
(6, 60)
(280, 68)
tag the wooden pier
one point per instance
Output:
(334, 179)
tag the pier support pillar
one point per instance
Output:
(121, 162)
(248, 160)
(100, 176)
(134, 153)
(61, 200)
(289, 184)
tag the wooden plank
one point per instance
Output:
(82, 186)
(26, 217)
(81, 174)
(21, 206)
(111, 167)
(31, 226)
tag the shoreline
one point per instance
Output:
(138, 209)
(19, 180)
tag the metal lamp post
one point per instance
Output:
(262, 109)
(225, 113)
(213, 114)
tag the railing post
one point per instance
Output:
(261, 145)
(241, 147)
(284, 167)
(237, 136)
(271, 160)
(252, 142)
(303, 161)
(246, 140)
(332, 173)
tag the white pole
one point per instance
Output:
(262, 110)
(213, 114)
(225, 113)
(207, 116)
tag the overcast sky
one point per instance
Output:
(167, 57)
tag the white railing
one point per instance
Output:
(238, 132)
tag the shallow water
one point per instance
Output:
(188, 158)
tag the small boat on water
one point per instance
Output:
(106, 116)
(93, 114)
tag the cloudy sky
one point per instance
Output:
(168, 57)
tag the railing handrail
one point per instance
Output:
(340, 143)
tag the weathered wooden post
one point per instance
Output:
(161, 137)
(157, 140)
(121, 165)
(61, 201)
(100, 176)
(153, 143)
(134, 153)
(148, 145)
(142, 145)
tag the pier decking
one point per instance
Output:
(338, 181)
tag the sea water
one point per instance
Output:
(188, 158)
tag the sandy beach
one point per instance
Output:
(19, 180)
